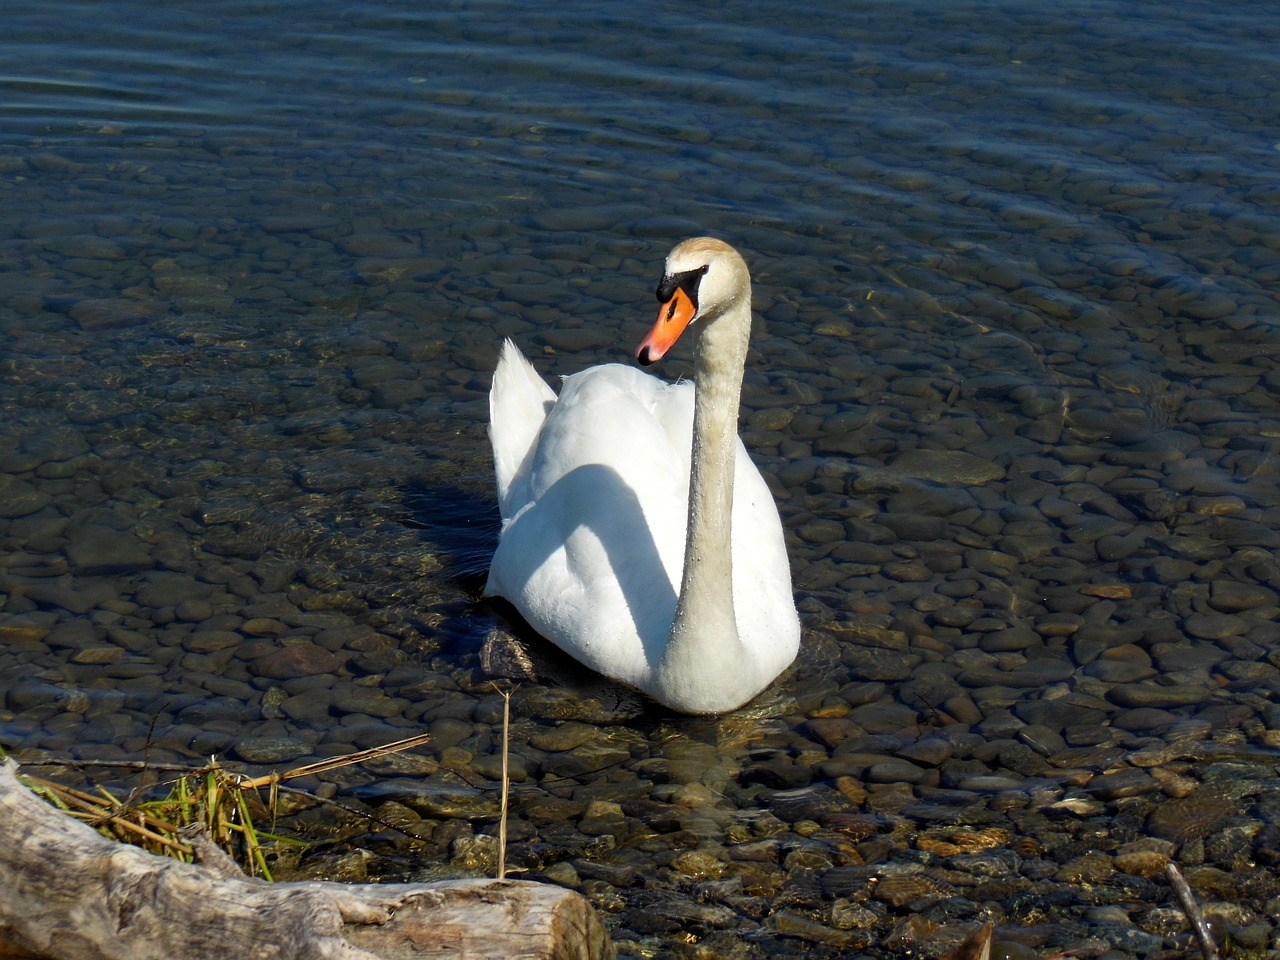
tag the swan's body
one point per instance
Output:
(637, 534)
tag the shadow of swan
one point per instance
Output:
(591, 519)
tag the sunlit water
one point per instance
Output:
(1014, 385)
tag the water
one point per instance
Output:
(1013, 385)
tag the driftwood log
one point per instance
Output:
(68, 893)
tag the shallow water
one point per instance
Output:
(1013, 384)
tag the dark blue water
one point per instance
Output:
(1013, 385)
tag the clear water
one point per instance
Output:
(256, 259)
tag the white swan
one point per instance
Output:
(637, 535)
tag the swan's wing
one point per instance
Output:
(519, 402)
(591, 553)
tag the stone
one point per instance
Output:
(1214, 626)
(100, 550)
(895, 771)
(112, 314)
(1147, 857)
(261, 627)
(296, 660)
(268, 749)
(368, 700)
(26, 630)
(950, 467)
(563, 736)
(1156, 695)
(170, 589)
(74, 597)
(1227, 596)
(18, 498)
(699, 864)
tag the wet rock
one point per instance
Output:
(313, 706)
(831, 731)
(1156, 695)
(162, 590)
(1183, 656)
(564, 736)
(27, 630)
(29, 693)
(616, 875)
(1044, 740)
(78, 598)
(296, 660)
(805, 803)
(1227, 596)
(951, 467)
(1165, 921)
(268, 749)
(562, 875)
(1211, 626)
(929, 751)
(73, 634)
(592, 756)
(699, 864)
(788, 924)
(98, 550)
(209, 640)
(1090, 868)
(110, 314)
(871, 663)
(1250, 675)
(911, 890)
(779, 773)
(364, 700)
(98, 655)
(988, 863)
(895, 771)
(1147, 857)
(449, 803)
(1125, 782)
(1190, 818)
(19, 498)
(85, 246)
(255, 626)
(552, 703)
(1144, 720)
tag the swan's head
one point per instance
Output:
(703, 277)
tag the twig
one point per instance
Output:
(506, 785)
(1192, 910)
(321, 766)
(334, 763)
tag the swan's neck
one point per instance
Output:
(704, 637)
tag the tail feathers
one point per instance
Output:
(519, 401)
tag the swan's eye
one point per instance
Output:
(686, 280)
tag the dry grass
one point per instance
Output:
(211, 802)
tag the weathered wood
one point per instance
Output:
(68, 893)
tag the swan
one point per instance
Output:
(637, 535)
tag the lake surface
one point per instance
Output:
(1014, 384)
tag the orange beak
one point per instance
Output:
(673, 317)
